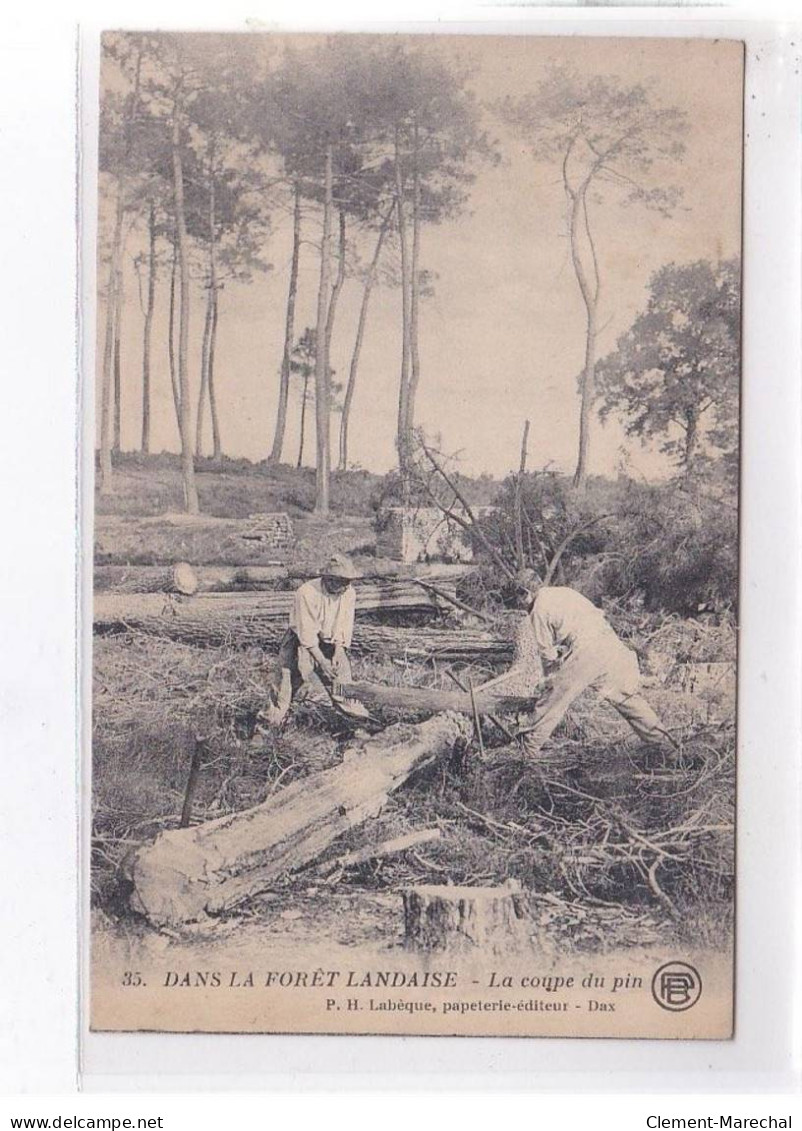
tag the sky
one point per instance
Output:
(502, 337)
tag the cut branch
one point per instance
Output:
(472, 526)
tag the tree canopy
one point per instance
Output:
(674, 374)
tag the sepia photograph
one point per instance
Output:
(416, 514)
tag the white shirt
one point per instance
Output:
(561, 616)
(316, 613)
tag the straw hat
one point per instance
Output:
(341, 566)
(527, 579)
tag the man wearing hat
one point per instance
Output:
(319, 634)
(577, 642)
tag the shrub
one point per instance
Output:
(671, 546)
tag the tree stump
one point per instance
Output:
(458, 918)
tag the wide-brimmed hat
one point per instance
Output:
(527, 579)
(341, 566)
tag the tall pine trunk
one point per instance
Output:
(211, 302)
(323, 465)
(187, 465)
(217, 444)
(691, 441)
(106, 470)
(303, 418)
(148, 330)
(414, 283)
(118, 315)
(338, 284)
(213, 287)
(204, 381)
(171, 338)
(106, 389)
(403, 387)
(289, 332)
(360, 333)
(588, 397)
(589, 288)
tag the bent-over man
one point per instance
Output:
(319, 634)
(575, 639)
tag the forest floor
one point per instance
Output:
(570, 833)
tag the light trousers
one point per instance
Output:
(612, 670)
(297, 667)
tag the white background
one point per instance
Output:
(39, 942)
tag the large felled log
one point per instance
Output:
(180, 578)
(456, 918)
(371, 596)
(247, 578)
(432, 698)
(187, 873)
(241, 623)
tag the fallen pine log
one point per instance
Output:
(432, 698)
(248, 578)
(206, 622)
(179, 578)
(186, 874)
(371, 596)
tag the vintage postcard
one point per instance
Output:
(416, 535)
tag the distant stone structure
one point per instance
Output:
(424, 534)
(274, 531)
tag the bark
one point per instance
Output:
(212, 623)
(289, 333)
(302, 425)
(249, 579)
(171, 339)
(106, 390)
(519, 526)
(106, 470)
(691, 440)
(198, 754)
(392, 595)
(386, 848)
(217, 450)
(207, 351)
(589, 288)
(189, 873)
(323, 464)
(118, 302)
(337, 288)
(147, 333)
(217, 444)
(417, 699)
(360, 334)
(179, 578)
(204, 381)
(414, 284)
(403, 387)
(458, 918)
(187, 464)
(588, 397)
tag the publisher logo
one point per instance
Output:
(676, 986)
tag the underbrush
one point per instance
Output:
(611, 845)
(146, 485)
